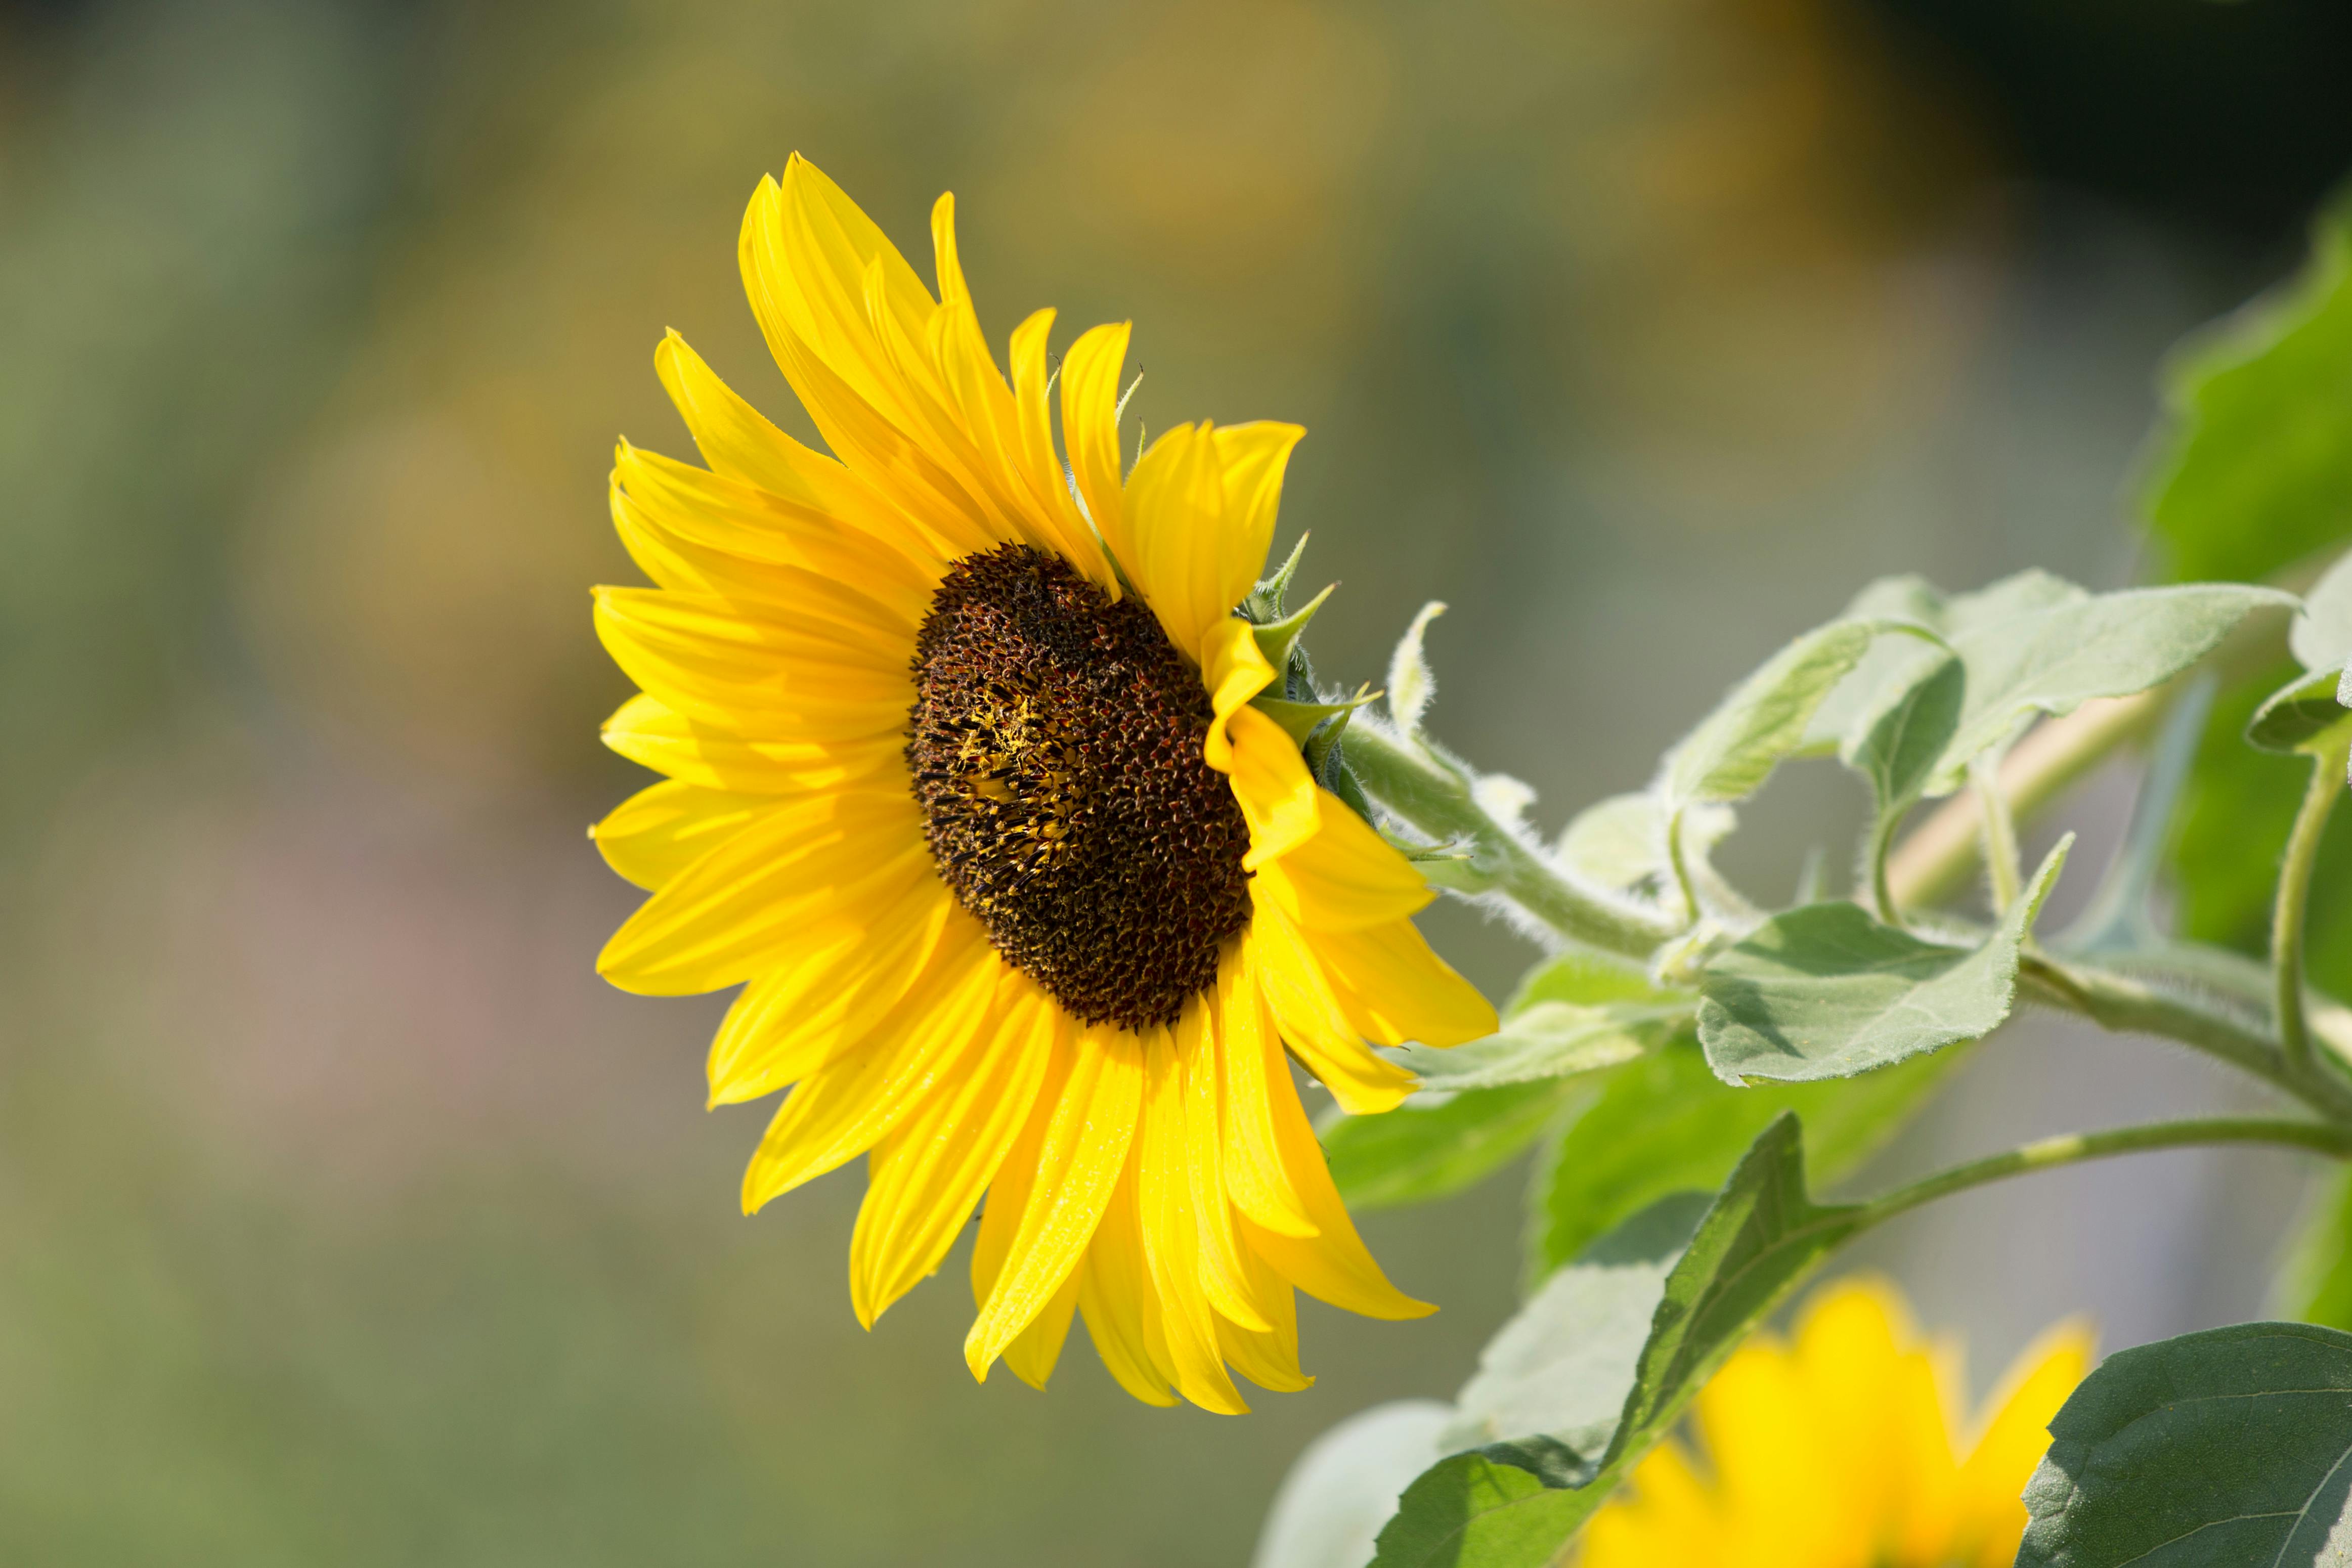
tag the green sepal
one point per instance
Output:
(1303, 721)
(1276, 638)
(1264, 604)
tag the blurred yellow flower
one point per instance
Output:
(1839, 1450)
(965, 780)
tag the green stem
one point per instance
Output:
(2287, 915)
(2073, 1148)
(1999, 836)
(1436, 799)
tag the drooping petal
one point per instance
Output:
(1394, 989)
(1346, 878)
(1333, 1265)
(1315, 1021)
(1119, 1303)
(1172, 1234)
(1078, 1161)
(927, 1175)
(1233, 670)
(660, 831)
(1249, 1050)
(1223, 1277)
(1279, 798)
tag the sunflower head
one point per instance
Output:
(1843, 1448)
(966, 789)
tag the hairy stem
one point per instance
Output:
(1999, 836)
(1933, 861)
(2287, 915)
(1436, 799)
(2073, 1148)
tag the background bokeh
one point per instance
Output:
(345, 1216)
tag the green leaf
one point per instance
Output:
(1301, 720)
(2255, 471)
(1410, 685)
(1765, 718)
(2298, 712)
(1505, 1507)
(1551, 1039)
(2321, 634)
(2054, 656)
(1665, 1124)
(1439, 1143)
(2316, 1285)
(1434, 1145)
(1827, 992)
(2227, 1446)
(1561, 1368)
(1264, 604)
(1897, 747)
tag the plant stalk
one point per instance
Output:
(1435, 798)
(2073, 1148)
(2288, 915)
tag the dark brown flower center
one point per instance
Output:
(1056, 748)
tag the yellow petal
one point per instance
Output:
(1278, 796)
(1269, 1359)
(1345, 878)
(1034, 1351)
(1032, 377)
(1254, 457)
(2015, 1437)
(1234, 670)
(750, 901)
(649, 732)
(927, 1040)
(709, 659)
(1171, 1244)
(1079, 1162)
(1223, 1274)
(1175, 505)
(721, 527)
(1315, 1021)
(1249, 1051)
(828, 995)
(1393, 988)
(1090, 391)
(930, 1170)
(1331, 1265)
(1121, 1308)
(658, 832)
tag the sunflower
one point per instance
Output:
(1839, 1451)
(965, 788)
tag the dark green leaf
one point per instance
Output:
(2255, 471)
(2232, 1445)
(1827, 992)
(1896, 749)
(2297, 713)
(1473, 1511)
(1665, 1124)
(1434, 1146)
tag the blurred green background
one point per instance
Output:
(345, 1218)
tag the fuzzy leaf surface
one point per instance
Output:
(1825, 991)
(1435, 1146)
(1765, 718)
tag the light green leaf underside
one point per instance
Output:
(2232, 1445)
(1765, 718)
(2298, 712)
(1514, 1504)
(1827, 992)
(1434, 1146)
